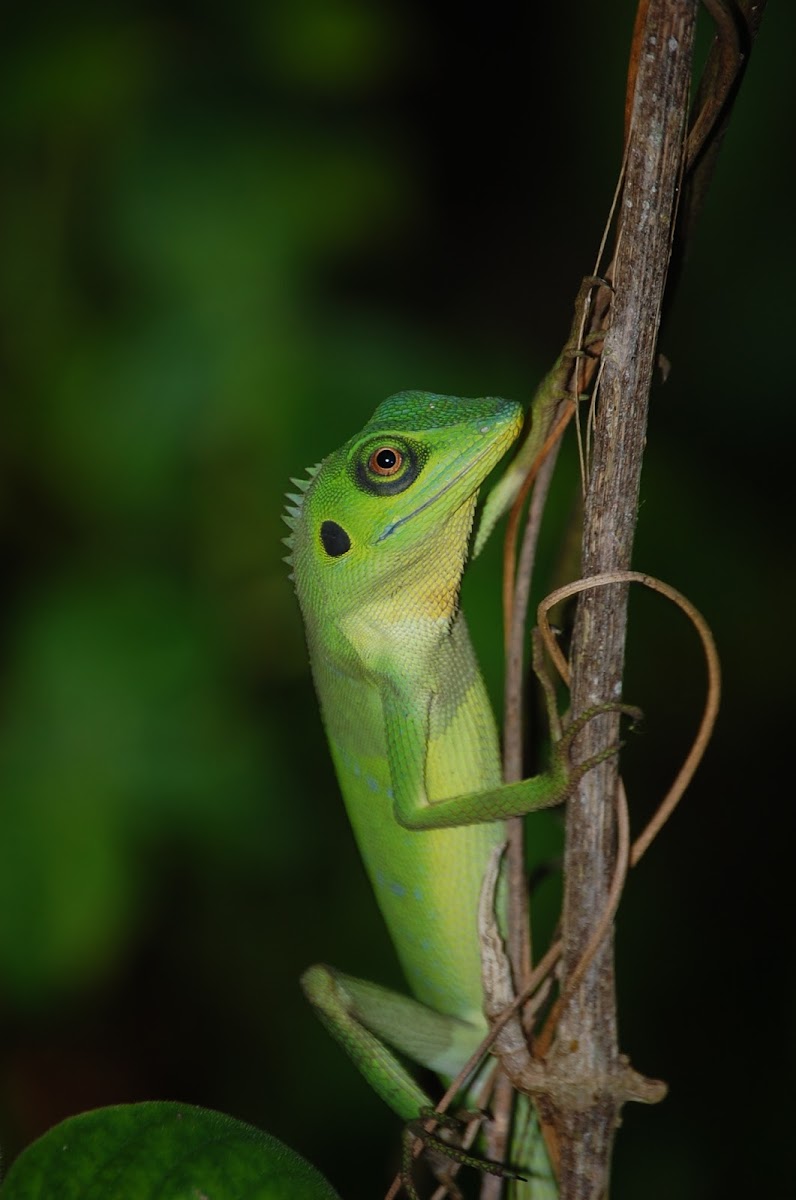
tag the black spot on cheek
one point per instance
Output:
(335, 539)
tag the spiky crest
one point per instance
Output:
(293, 510)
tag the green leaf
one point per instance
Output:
(161, 1151)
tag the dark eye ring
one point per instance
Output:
(386, 460)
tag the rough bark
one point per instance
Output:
(585, 1058)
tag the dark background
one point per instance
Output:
(225, 234)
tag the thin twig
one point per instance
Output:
(707, 723)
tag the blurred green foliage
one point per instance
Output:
(226, 233)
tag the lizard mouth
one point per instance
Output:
(465, 470)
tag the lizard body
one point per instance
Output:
(380, 536)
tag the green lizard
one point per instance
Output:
(380, 536)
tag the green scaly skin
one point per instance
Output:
(379, 540)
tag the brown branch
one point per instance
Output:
(585, 1052)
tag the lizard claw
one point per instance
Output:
(438, 1146)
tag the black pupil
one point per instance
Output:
(386, 459)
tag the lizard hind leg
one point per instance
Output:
(367, 1019)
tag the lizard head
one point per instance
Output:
(394, 506)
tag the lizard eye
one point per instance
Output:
(385, 468)
(387, 460)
